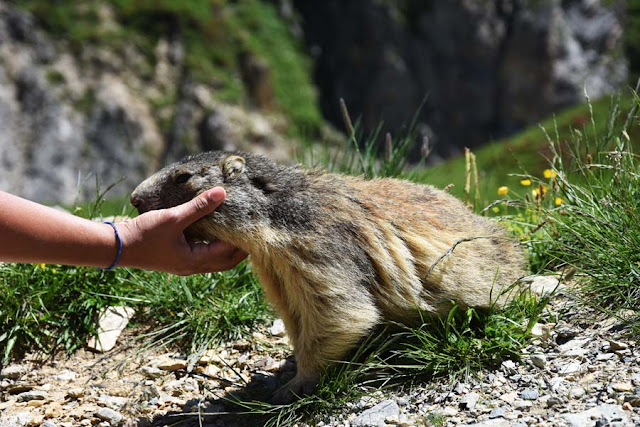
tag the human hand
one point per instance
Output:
(155, 239)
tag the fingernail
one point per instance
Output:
(217, 194)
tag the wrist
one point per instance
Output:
(116, 260)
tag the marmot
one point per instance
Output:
(336, 254)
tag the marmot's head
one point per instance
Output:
(241, 175)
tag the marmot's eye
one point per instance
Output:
(182, 178)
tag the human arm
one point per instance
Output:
(30, 232)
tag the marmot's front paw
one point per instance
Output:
(294, 390)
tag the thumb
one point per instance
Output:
(202, 205)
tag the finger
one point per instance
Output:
(199, 206)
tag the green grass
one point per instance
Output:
(49, 308)
(595, 228)
(528, 152)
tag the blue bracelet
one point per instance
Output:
(115, 262)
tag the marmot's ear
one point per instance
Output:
(232, 166)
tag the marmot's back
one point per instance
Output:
(336, 254)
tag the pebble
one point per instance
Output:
(539, 360)
(109, 415)
(172, 364)
(377, 415)
(529, 394)
(14, 371)
(622, 387)
(498, 412)
(277, 329)
(32, 395)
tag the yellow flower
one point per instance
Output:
(495, 209)
(535, 192)
(525, 182)
(550, 173)
(503, 190)
(42, 265)
(559, 201)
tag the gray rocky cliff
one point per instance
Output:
(487, 68)
(69, 115)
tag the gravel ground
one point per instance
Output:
(579, 371)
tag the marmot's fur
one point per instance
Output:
(337, 254)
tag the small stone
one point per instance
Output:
(212, 371)
(111, 323)
(75, 393)
(37, 420)
(242, 345)
(522, 404)
(377, 415)
(449, 411)
(509, 397)
(627, 406)
(577, 392)
(36, 403)
(172, 364)
(469, 401)
(622, 387)
(498, 412)
(109, 415)
(510, 367)
(19, 388)
(529, 394)
(152, 372)
(553, 401)
(277, 329)
(53, 410)
(632, 399)
(539, 360)
(48, 423)
(14, 371)
(617, 345)
(113, 402)
(32, 395)
(570, 368)
(65, 375)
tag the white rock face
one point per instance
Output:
(110, 324)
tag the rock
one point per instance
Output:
(570, 368)
(543, 285)
(172, 364)
(376, 416)
(152, 372)
(469, 401)
(19, 388)
(539, 360)
(111, 323)
(622, 387)
(632, 399)
(498, 412)
(553, 401)
(32, 395)
(604, 414)
(16, 420)
(522, 404)
(242, 345)
(509, 367)
(76, 393)
(277, 329)
(113, 402)
(109, 415)
(617, 345)
(48, 423)
(577, 393)
(529, 394)
(14, 371)
(65, 375)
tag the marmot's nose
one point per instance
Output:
(136, 201)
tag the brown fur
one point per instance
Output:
(337, 255)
